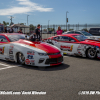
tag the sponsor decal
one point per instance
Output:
(97, 46)
(11, 57)
(11, 46)
(67, 48)
(27, 61)
(80, 46)
(64, 53)
(30, 56)
(68, 53)
(11, 49)
(30, 52)
(2, 50)
(32, 61)
(81, 49)
(10, 52)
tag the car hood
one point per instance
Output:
(91, 42)
(39, 45)
(94, 37)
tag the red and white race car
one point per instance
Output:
(14, 47)
(76, 44)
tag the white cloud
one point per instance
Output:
(26, 7)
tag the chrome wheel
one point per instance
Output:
(91, 53)
(20, 58)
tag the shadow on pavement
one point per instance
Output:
(95, 59)
(50, 68)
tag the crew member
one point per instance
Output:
(11, 30)
(59, 31)
(5, 30)
(20, 31)
(37, 32)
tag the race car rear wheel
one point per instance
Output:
(20, 58)
(91, 53)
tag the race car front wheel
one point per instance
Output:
(20, 58)
(91, 53)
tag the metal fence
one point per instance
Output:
(50, 30)
(71, 26)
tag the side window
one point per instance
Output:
(77, 32)
(64, 38)
(3, 39)
(71, 39)
(56, 38)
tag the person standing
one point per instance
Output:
(20, 31)
(59, 31)
(37, 32)
(5, 30)
(11, 30)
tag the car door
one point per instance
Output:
(3, 47)
(55, 41)
(68, 45)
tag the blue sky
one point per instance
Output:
(40, 11)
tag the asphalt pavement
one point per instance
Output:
(63, 82)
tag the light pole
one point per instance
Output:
(11, 19)
(27, 20)
(66, 19)
(48, 25)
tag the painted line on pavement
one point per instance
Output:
(8, 66)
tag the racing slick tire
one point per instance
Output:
(20, 58)
(91, 53)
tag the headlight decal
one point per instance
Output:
(42, 54)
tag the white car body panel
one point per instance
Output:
(67, 48)
(11, 49)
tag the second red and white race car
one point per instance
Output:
(76, 44)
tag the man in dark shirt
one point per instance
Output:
(5, 30)
(37, 31)
(36, 36)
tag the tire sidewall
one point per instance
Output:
(87, 53)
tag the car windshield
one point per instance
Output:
(80, 37)
(86, 33)
(16, 37)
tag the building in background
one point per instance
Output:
(17, 27)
